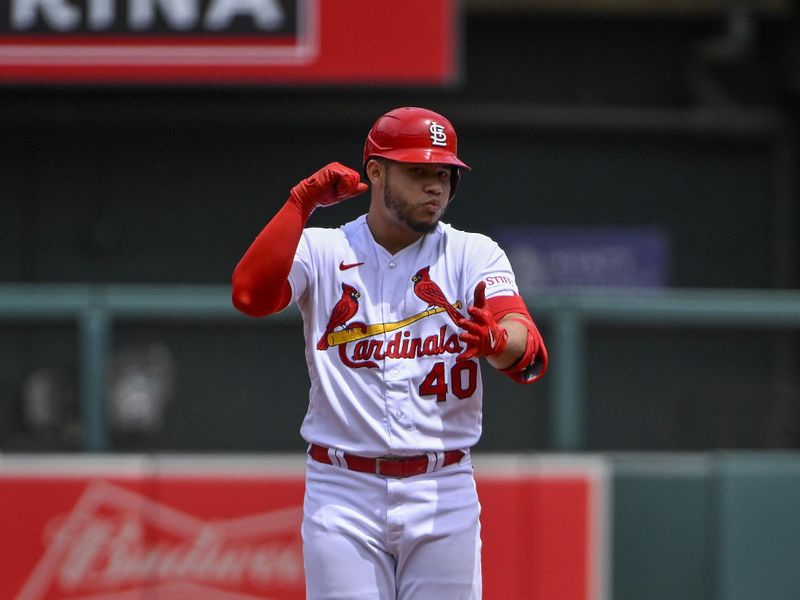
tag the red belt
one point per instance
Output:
(388, 466)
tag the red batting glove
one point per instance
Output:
(482, 334)
(331, 184)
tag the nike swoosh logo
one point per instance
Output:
(344, 267)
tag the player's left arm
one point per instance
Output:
(502, 330)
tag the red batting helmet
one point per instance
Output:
(415, 135)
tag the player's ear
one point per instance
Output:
(375, 170)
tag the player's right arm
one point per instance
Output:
(260, 284)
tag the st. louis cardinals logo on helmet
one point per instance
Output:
(438, 134)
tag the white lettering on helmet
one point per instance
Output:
(438, 136)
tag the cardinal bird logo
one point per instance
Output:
(344, 310)
(429, 291)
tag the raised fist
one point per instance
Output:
(331, 184)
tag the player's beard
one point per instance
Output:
(402, 209)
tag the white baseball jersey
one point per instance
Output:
(382, 342)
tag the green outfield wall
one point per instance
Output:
(718, 526)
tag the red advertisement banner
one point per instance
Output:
(229, 529)
(275, 42)
(544, 526)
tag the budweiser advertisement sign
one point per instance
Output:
(160, 530)
(150, 528)
(290, 42)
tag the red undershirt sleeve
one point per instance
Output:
(260, 282)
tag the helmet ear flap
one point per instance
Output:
(455, 179)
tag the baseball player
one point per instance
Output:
(398, 308)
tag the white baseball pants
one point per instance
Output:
(366, 537)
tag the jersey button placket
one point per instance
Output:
(390, 373)
(396, 389)
(396, 394)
